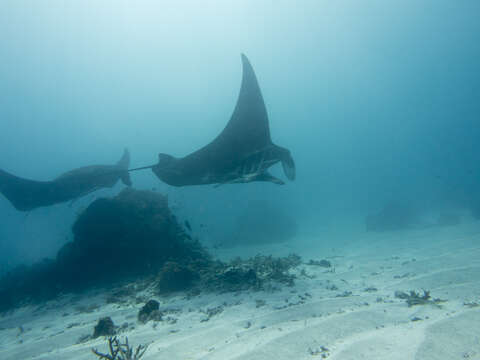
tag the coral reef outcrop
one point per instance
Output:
(130, 235)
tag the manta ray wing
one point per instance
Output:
(246, 132)
(25, 194)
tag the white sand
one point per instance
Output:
(304, 322)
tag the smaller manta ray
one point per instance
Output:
(241, 153)
(25, 194)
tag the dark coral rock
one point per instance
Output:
(129, 236)
(150, 311)
(104, 327)
(325, 263)
(321, 263)
(175, 277)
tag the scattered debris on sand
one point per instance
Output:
(257, 273)
(322, 263)
(121, 351)
(414, 298)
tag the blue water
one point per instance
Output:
(377, 101)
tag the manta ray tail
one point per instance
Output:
(123, 164)
(142, 168)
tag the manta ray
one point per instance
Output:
(25, 194)
(241, 153)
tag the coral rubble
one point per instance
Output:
(104, 327)
(150, 311)
(414, 298)
(119, 351)
(251, 274)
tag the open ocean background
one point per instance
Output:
(378, 101)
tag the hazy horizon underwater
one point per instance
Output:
(378, 103)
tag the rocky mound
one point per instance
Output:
(132, 234)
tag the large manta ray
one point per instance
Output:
(25, 194)
(242, 152)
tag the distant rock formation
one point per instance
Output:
(393, 216)
(263, 222)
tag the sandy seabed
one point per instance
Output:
(346, 312)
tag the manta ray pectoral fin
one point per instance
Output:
(288, 166)
(24, 194)
(286, 158)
